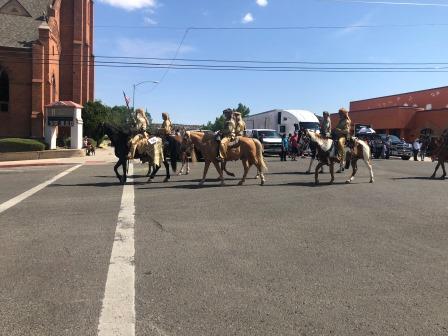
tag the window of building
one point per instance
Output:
(53, 89)
(4, 91)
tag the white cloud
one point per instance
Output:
(262, 3)
(248, 18)
(365, 20)
(131, 4)
(149, 22)
(159, 49)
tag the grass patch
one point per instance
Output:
(20, 145)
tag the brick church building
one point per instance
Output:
(46, 55)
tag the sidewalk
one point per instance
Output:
(102, 155)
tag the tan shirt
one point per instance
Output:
(343, 127)
(167, 126)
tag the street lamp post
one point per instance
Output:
(133, 91)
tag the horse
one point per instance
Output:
(119, 136)
(327, 155)
(360, 150)
(248, 150)
(155, 151)
(441, 155)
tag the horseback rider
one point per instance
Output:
(226, 134)
(325, 126)
(342, 134)
(240, 125)
(167, 125)
(142, 121)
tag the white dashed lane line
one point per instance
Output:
(23, 196)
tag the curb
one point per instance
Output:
(42, 155)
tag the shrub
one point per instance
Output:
(20, 145)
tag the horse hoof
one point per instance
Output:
(432, 177)
(262, 182)
(166, 180)
(331, 182)
(240, 183)
(149, 181)
(348, 182)
(179, 174)
(371, 181)
(316, 182)
(442, 177)
(307, 172)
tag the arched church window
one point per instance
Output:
(53, 88)
(4, 91)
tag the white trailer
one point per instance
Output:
(283, 121)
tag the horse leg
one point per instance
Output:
(224, 169)
(220, 172)
(369, 165)
(246, 167)
(188, 166)
(118, 164)
(167, 167)
(354, 163)
(309, 168)
(443, 168)
(206, 166)
(435, 170)
(331, 172)
(260, 173)
(154, 172)
(316, 172)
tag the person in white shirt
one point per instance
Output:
(416, 148)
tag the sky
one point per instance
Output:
(404, 32)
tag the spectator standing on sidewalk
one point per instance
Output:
(285, 144)
(294, 141)
(416, 148)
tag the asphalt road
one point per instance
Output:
(288, 258)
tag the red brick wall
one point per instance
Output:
(60, 54)
(16, 122)
(438, 97)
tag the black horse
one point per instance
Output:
(119, 136)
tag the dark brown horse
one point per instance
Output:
(441, 155)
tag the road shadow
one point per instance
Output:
(97, 185)
(418, 178)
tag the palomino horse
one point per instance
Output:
(327, 155)
(119, 137)
(441, 155)
(155, 151)
(248, 150)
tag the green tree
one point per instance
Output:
(220, 121)
(243, 109)
(94, 113)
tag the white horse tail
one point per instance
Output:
(260, 157)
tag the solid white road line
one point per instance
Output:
(118, 312)
(16, 200)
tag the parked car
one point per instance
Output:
(271, 139)
(375, 142)
(397, 147)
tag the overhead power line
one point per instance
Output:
(97, 58)
(270, 68)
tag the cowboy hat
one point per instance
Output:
(343, 111)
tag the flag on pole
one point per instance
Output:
(126, 99)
